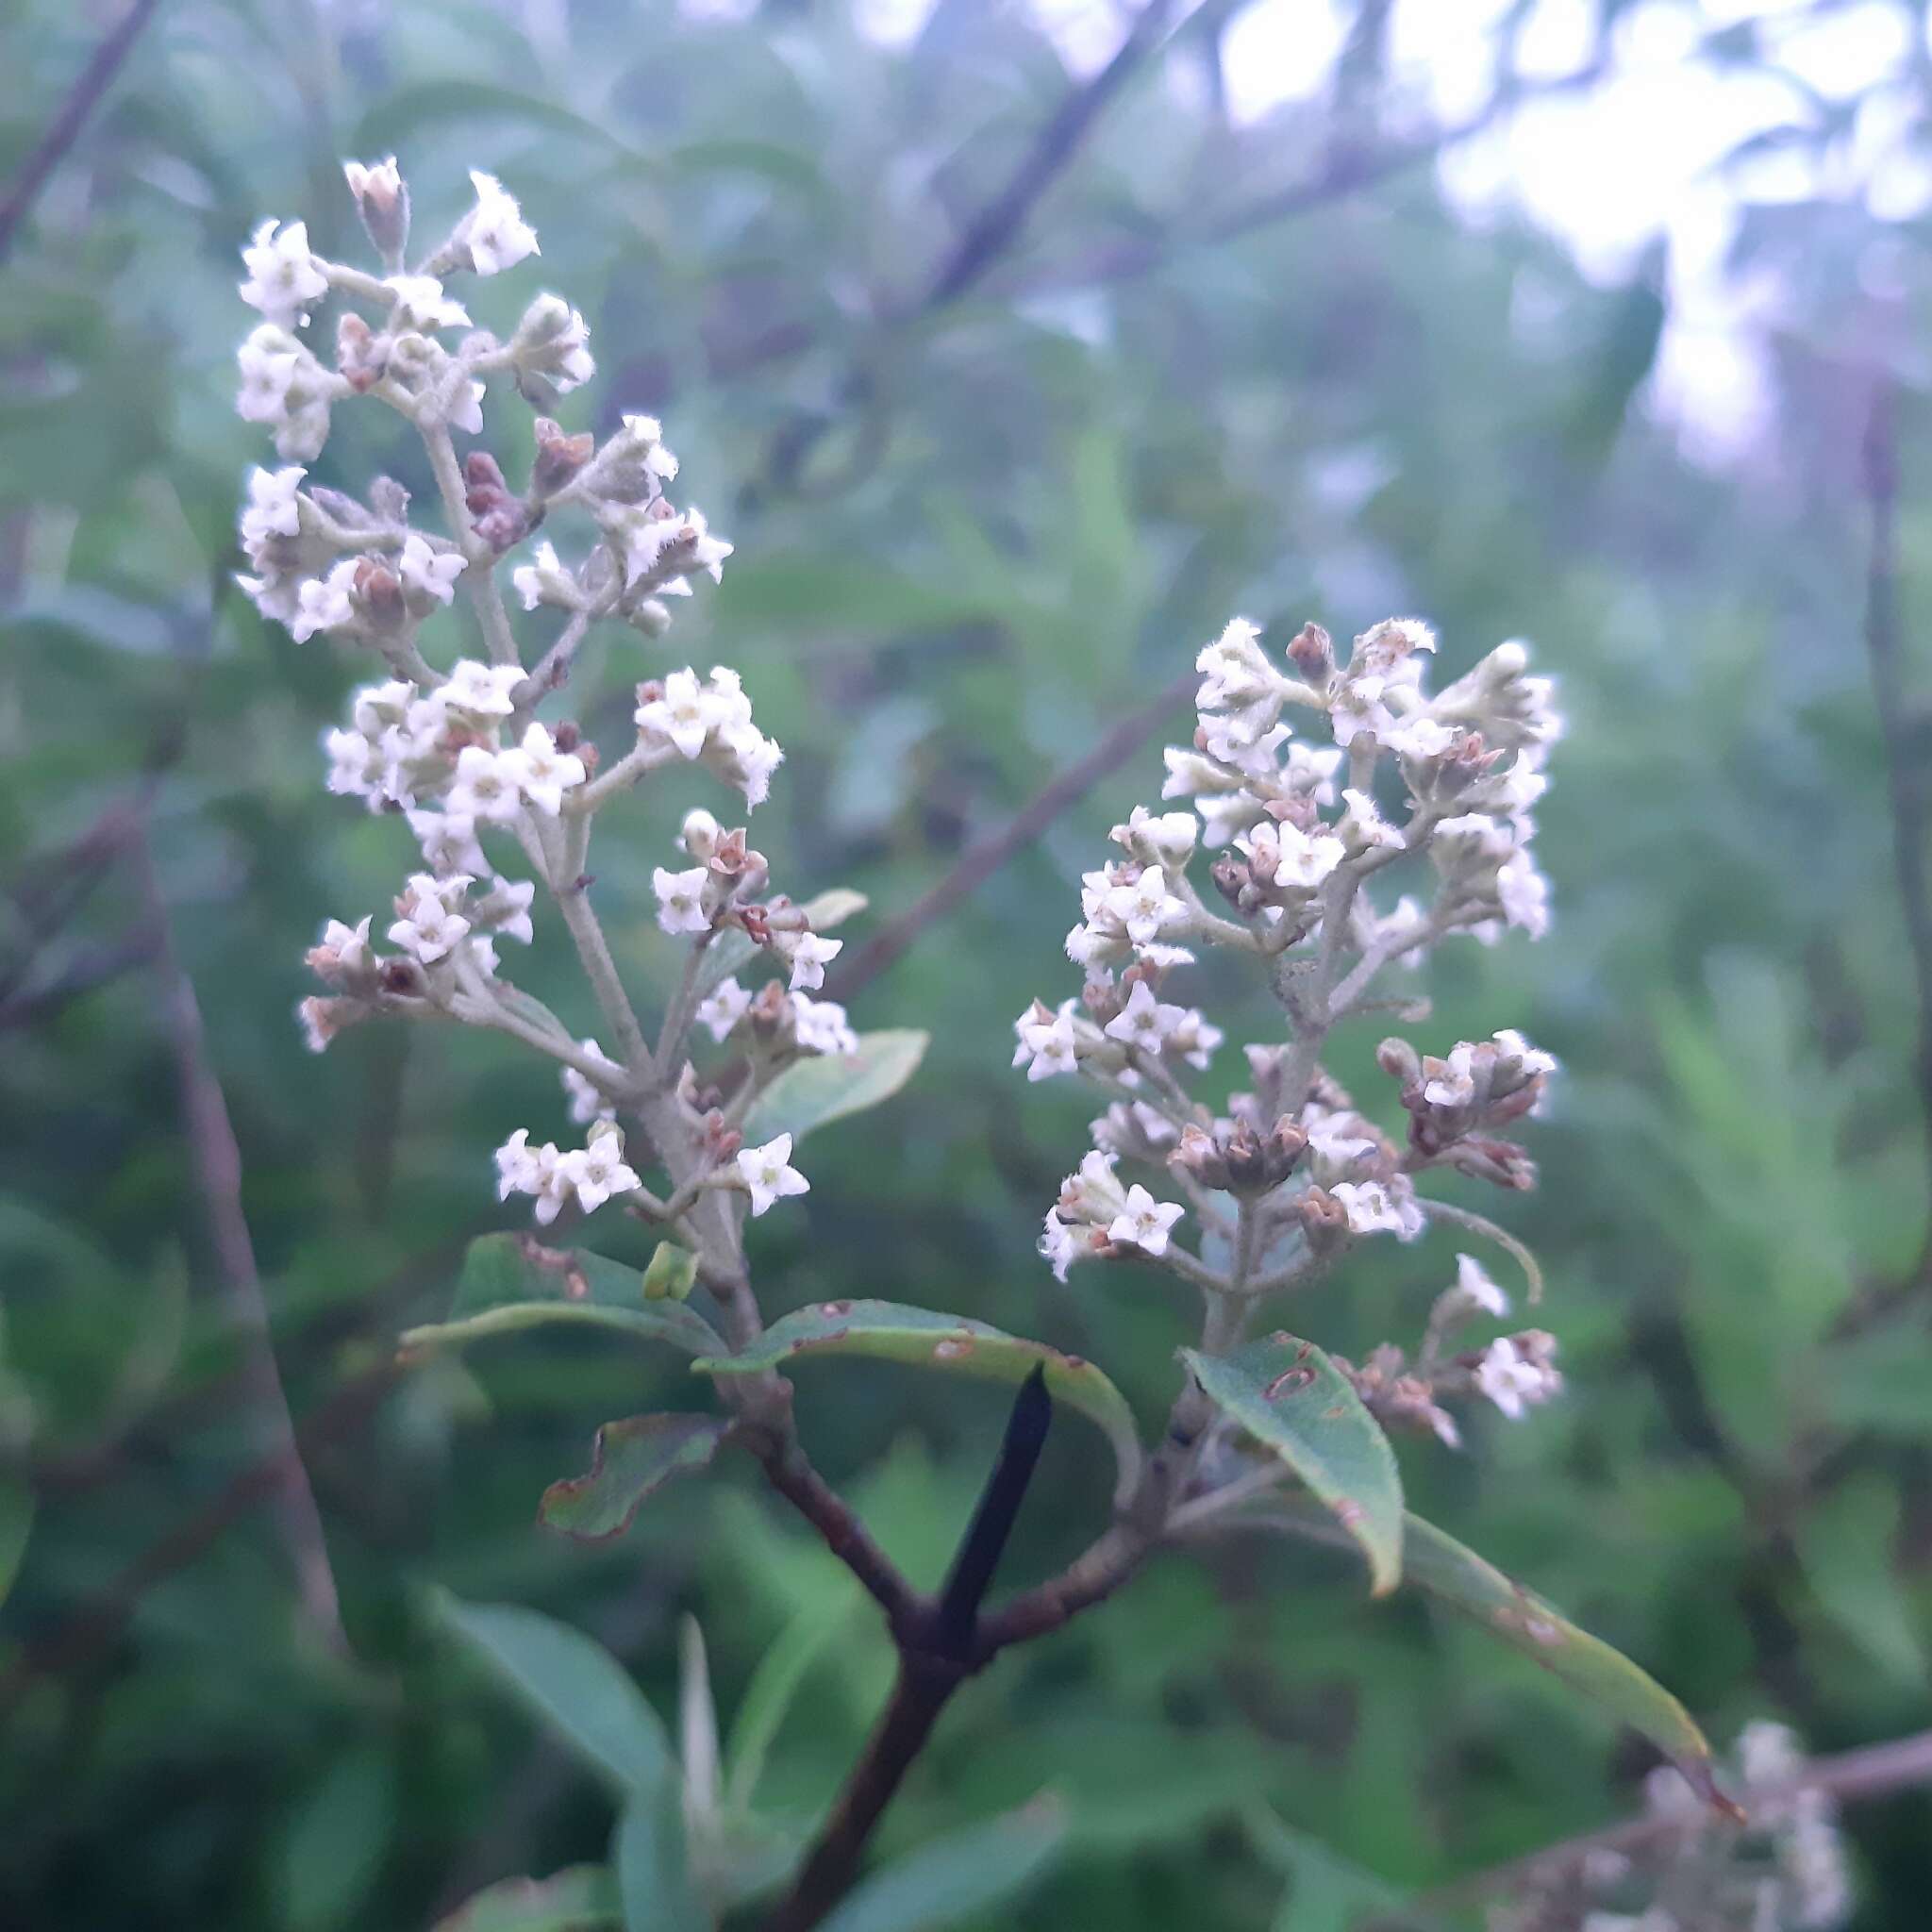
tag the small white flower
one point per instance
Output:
(495, 231)
(1047, 1043)
(283, 277)
(1336, 1142)
(426, 572)
(350, 945)
(509, 908)
(1476, 1288)
(382, 179)
(1195, 1040)
(519, 1165)
(484, 790)
(598, 1172)
(1455, 1085)
(542, 579)
(1165, 838)
(686, 714)
(273, 507)
(1421, 738)
(1362, 827)
(466, 409)
(768, 1173)
(808, 953)
(1380, 1206)
(681, 899)
(588, 1101)
(421, 306)
(1144, 907)
(480, 690)
(541, 772)
(1145, 1021)
(1524, 894)
(822, 1026)
(323, 603)
(1145, 1222)
(430, 927)
(1060, 1244)
(1513, 1380)
(449, 842)
(721, 1011)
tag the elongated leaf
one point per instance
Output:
(575, 1685)
(780, 1673)
(732, 951)
(890, 1331)
(956, 1875)
(827, 1087)
(630, 1461)
(510, 1281)
(654, 1864)
(1295, 1402)
(1436, 1562)
(580, 1898)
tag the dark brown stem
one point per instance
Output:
(82, 98)
(919, 1694)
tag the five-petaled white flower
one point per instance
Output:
(681, 899)
(768, 1173)
(449, 842)
(283, 277)
(420, 305)
(589, 1101)
(1145, 1021)
(1514, 1379)
(479, 690)
(430, 923)
(1380, 1206)
(542, 772)
(1145, 1222)
(495, 231)
(1476, 1288)
(323, 603)
(822, 1026)
(1145, 906)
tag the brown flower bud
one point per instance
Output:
(1312, 652)
(558, 457)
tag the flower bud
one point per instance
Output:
(1399, 1061)
(671, 1274)
(558, 457)
(382, 199)
(1312, 652)
(362, 355)
(699, 834)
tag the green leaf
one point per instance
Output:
(16, 1520)
(630, 1461)
(580, 1898)
(511, 1281)
(781, 1672)
(654, 1864)
(890, 1331)
(731, 951)
(337, 1837)
(827, 1087)
(1295, 1402)
(1438, 1563)
(1327, 1892)
(956, 1875)
(575, 1685)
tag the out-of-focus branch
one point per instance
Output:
(979, 861)
(85, 95)
(1909, 788)
(217, 1168)
(83, 1637)
(1874, 1771)
(999, 223)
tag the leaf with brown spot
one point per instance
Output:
(630, 1461)
(1294, 1401)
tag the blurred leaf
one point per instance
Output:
(890, 1331)
(16, 1521)
(1294, 1401)
(406, 112)
(774, 1683)
(582, 1898)
(1848, 1539)
(1438, 1563)
(1327, 1892)
(574, 1684)
(826, 1087)
(509, 1281)
(337, 1840)
(653, 1866)
(630, 1461)
(954, 1877)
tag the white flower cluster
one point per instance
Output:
(460, 753)
(592, 1173)
(1305, 829)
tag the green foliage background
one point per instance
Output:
(970, 539)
